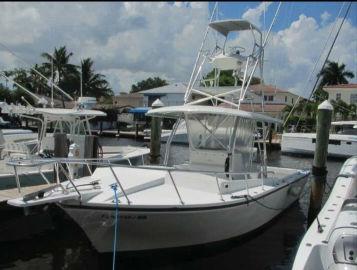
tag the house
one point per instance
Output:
(344, 92)
(128, 100)
(170, 95)
(275, 100)
(272, 95)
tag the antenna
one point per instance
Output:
(39, 100)
(81, 79)
(52, 103)
(24, 99)
(37, 72)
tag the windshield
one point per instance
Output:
(216, 132)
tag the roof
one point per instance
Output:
(226, 26)
(267, 88)
(342, 86)
(258, 107)
(175, 88)
(178, 111)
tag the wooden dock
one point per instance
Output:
(122, 134)
(8, 194)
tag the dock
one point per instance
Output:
(121, 134)
(13, 193)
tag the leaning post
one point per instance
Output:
(319, 171)
(155, 136)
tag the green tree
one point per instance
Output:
(5, 93)
(65, 72)
(93, 84)
(342, 109)
(148, 84)
(332, 74)
(226, 78)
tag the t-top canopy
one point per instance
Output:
(226, 26)
(69, 112)
(178, 111)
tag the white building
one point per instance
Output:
(170, 95)
(344, 92)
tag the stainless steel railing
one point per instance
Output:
(57, 162)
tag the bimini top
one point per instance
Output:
(226, 26)
(68, 112)
(179, 111)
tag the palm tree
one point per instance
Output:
(93, 84)
(39, 85)
(334, 74)
(65, 72)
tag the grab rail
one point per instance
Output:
(106, 163)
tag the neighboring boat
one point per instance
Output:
(220, 193)
(342, 141)
(87, 102)
(331, 240)
(180, 136)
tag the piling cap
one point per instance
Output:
(157, 104)
(326, 105)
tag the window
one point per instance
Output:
(268, 98)
(286, 99)
(338, 96)
(353, 99)
(292, 101)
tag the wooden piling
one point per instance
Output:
(61, 150)
(319, 170)
(155, 136)
(90, 151)
(61, 145)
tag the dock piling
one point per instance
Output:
(155, 136)
(319, 170)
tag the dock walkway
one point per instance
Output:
(8, 194)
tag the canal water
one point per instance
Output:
(48, 239)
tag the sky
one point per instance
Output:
(131, 41)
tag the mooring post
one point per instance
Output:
(61, 149)
(90, 151)
(61, 146)
(155, 136)
(319, 170)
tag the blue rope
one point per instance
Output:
(114, 187)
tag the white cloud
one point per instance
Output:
(141, 38)
(325, 17)
(293, 52)
(131, 41)
(254, 14)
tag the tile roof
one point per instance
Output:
(349, 85)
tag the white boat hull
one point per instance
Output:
(302, 143)
(320, 249)
(147, 229)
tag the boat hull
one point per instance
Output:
(148, 229)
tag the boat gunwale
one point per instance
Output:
(181, 208)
